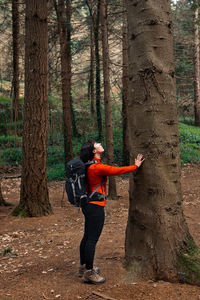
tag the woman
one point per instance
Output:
(94, 210)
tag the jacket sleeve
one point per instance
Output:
(106, 170)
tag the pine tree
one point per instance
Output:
(157, 232)
(34, 199)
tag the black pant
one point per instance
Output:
(94, 221)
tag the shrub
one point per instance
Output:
(56, 172)
(10, 141)
(11, 156)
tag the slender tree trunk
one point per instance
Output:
(15, 32)
(107, 98)
(65, 53)
(92, 60)
(126, 159)
(91, 88)
(69, 55)
(196, 69)
(98, 75)
(74, 127)
(34, 199)
(156, 232)
(2, 201)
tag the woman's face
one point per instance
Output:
(98, 148)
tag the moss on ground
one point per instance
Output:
(189, 264)
(19, 211)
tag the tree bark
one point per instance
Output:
(107, 98)
(69, 58)
(92, 60)
(98, 73)
(15, 33)
(196, 68)
(126, 159)
(65, 54)
(34, 199)
(2, 201)
(156, 232)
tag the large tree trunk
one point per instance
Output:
(65, 53)
(98, 72)
(156, 232)
(15, 33)
(107, 98)
(126, 159)
(34, 199)
(196, 69)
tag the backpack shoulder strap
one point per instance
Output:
(102, 181)
(91, 162)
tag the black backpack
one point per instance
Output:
(76, 183)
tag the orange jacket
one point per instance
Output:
(95, 175)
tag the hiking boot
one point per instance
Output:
(82, 269)
(90, 276)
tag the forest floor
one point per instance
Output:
(44, 259)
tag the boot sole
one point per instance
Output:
(92, 282)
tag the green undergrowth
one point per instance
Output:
(10, 141)
(189, 144)
(56, 172)
(189, 264)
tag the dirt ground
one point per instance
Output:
(44, 258)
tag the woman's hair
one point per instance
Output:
(86, 153)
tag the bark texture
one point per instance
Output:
(98, 72)
(65, 52)
(156, 230)
(107, 98)
(2, 201)
(15, 33)
(126, 159)
(196, 69)
(91, 94)
(34, 199)
(92, 65)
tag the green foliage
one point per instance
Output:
(189, 134)
(189, 143)
(56, 172)
(55, 155)
(7, 127)
(10, 141)
(11, 156)
(5, 100)
(186, 120)
(189, 264)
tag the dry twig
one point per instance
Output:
(103, 296)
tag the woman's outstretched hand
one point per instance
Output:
(139, 160)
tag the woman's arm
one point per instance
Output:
(106, 170)
(101, 169)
